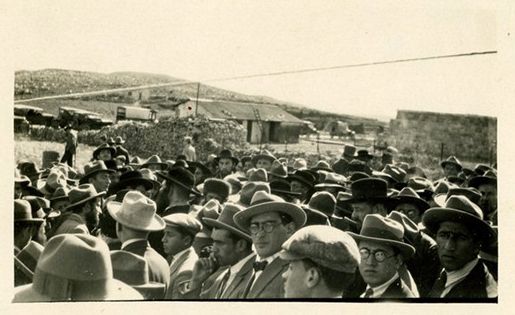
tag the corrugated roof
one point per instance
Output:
(245, 111)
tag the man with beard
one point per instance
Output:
(97, 174)
(226, 163)
(232, 247)
(487, 186)
(84, 208)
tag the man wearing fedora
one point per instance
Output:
(60, 274)
(135, 218)
(322, 263)
(232, 247)
(270, 221)
(461, 233)
(120, 150)
(340, 166)
(451, 167)
(263, 160)
(178, 237)
(487, 186)
(97, 174)
(84, 210)
(302, 181)
(226, 163)
(179, 184)
(383, 251)
(369, 196)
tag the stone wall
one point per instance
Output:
(468, 137)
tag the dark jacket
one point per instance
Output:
(397, 290)
(269, 285)
(474, 284)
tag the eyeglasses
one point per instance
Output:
(268, 227)
(379, 255)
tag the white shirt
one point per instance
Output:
(269, 260)
(128, 242)
(234, 270)
(178, 255)
(456, 276)
(379, 290)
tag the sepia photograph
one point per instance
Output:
(323, 153)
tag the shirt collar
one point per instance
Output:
(268, 259)
(379, 290)
(237, 267)
(133, 240)
(457, 275)
(179, 254)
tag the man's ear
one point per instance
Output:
(312, 277)
(290, 228)
(240, 245)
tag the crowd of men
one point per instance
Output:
(253, 227)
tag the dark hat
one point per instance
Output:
(421, 185)
(92, 169)
(303, 176)
(416, 170)
(481, 169)
(315, 217)
(218, 186)
(111, 165)
(29, 168)
(383, 230)
(104, 146)
(177, 163)
(23, 180)
(322, 201)
(265, 154)
(488, 178)
(81, 194)
(263, 202)
(326, 246)
(180, 176)
(186, 221)
(23, 212)
(396, 173)
(154, 160)
(369, 189)
(119, 140)
(131, 178)
(110, 141)
(322, 165)
(59, 194)
(408, 195)
(358, 175)
(226, 220)
(358, 166)
(340, 166)
(280, 186)
(332, 180)
(205, 170)
(249, 189)
(468, 172)
(452, 160)
(471, 193)
(226, 154)
(364, 155)
(349, 151)
(278, 169)
(459, 209)
(40, 207)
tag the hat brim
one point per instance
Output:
(450, 162)
(262, 157)
(163, 165)
(146, 183)
(434, 216)
(97, 151)
(87, 176)
(477, 181)
(297, 178)
(175, 181)
(220, 225)
(406, 250)
(99, 194)
(421, 204)
(285, 192)
(242, 218)
(114, 208)
(329, 185)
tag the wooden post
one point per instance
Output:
(441, 151)
(196, 101)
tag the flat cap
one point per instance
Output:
(186, 221)
(325, 245)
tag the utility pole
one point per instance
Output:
(196, 102)
(260, 125)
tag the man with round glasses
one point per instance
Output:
(383, 252)
(270, 221)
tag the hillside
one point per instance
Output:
(47, 82)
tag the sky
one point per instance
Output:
(204, 40)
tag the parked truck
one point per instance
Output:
(136, 113)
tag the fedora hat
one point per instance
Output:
(340, 166)
(131, 178)
(154, 160)
(55, 179)
(136, 211)
(333, 180)
(300, 164)
(234, 182)
(451, 160)
(226, 154)
(281, 186)
(358, 175)
(408, 195)
(133, 270)
(149, 175)
(23, 180)
(186, 221)
(421, 185)
(23, 212)
(40, 207)
(180, 176)
(217, 186)
(395, 173)
(119, 140)
(349, 151)
(30, 254)
(263, 202)
(29, 168)
(358, 166)
(136, 161)
(322, 166)
(364, 155)
(278, 169)
(471, 193)
(488, 178)
(75, 267)
(104, 146)
(481, 169)
(304, 177)
(93, 168)
(369, 189)
(249, 189)
(212, 210)
(197, 165)
(257, 175)
(226, 220)
(81, 194)
(459, 209)
(383, 230)
(263, 155)
(322, 201)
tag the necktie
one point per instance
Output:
(260, 265)
(223, 284)
(369, 292)
(439, 285)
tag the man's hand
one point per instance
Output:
(204, 267)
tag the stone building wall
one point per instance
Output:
(468, 137)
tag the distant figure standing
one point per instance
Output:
(70, 148)
(189, 150)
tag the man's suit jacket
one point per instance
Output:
(236, 288)
(269, 285)
(181, 271)
(397, 290)
(157, 265)
(474, 285)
